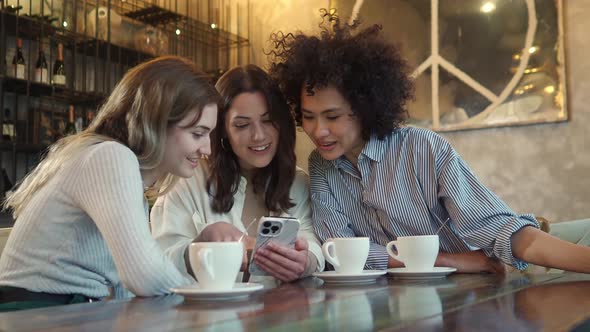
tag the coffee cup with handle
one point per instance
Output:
(216, 264)
(418, 253)
(347, 255)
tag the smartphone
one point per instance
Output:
(280, 230)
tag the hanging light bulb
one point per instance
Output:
(488, 7)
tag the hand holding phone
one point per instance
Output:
(279, 230)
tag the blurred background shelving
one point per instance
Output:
(101, 40)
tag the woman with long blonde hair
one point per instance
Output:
(81, 230)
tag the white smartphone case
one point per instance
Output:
(279, 230)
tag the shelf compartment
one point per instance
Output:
(154, 16)
(111, 52)
(55, 92)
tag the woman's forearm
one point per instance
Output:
(537, 247)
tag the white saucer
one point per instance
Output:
(365, 277)
(436, 272)
(239, 291)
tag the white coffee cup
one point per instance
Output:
(347, 255)
(216, 264)
(418, 253)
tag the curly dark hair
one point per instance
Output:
(368, 71)
(274, 180)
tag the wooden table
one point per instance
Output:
(460, 302)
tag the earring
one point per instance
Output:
(223, 144)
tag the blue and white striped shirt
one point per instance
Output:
(401, 182)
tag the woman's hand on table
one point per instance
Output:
(471, 262)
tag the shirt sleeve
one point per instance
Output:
(478, 216)
(329, 220)
(110, 191)
(172, 222)
(302, 211)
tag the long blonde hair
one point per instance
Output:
(150, 98)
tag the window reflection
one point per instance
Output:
(499, 62)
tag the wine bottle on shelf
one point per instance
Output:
(18, 61)
(41, 67)
(79, 124)
(7, 127)
(59, 70)
(70, 126)
(89, 118)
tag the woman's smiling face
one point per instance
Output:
(251, 133)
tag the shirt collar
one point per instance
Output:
(242, 185)
(374, 150)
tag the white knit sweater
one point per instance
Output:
(86, 231)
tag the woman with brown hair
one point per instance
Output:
(81, 216)
(251, 173)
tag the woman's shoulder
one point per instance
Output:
(300, 184)
(418, 134)
(316, 162)
(109, 151)
(301, 176)
(112, 147)
(419, 140)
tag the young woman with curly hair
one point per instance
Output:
(372, 177)
(251, 173)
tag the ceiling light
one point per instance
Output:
(488, 7)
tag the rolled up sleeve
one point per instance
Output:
(478, 216)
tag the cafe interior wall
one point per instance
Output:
(543, 169)
(271, 16)
(540, 169)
